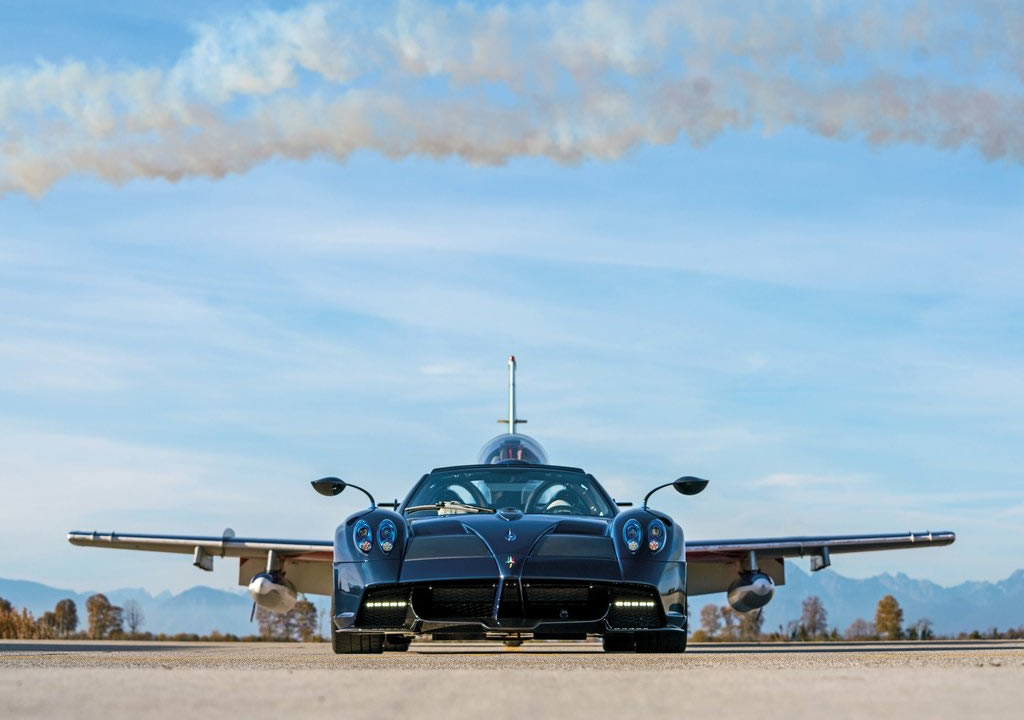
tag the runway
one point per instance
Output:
(113, 680)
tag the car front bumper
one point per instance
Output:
(538, 607)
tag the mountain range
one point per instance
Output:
(961, 608)
(972, 605)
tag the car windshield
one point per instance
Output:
(527, 489)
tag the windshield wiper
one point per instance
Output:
(455, 505)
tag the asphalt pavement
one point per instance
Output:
(140, 680)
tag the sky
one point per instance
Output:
(771, 245)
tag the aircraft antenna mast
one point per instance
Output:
(512, 419)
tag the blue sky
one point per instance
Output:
(830, 329)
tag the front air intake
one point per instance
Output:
(635, 609)
(577, 601)
(454, 602)
(384, 608)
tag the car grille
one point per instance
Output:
(454, 602)
(624, 607)
(511, 600)
(565, 601)
(384, 608)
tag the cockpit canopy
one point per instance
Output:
(511, 447)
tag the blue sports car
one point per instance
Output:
(506, 549)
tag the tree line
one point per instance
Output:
(304, 623)
(103, 620)
(725, 624)
(106, 621)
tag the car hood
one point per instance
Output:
(509, 544)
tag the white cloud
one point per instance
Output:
(589, 79)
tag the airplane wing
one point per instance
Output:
(712, 565)
(306, 563)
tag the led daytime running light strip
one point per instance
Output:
(386, 604)
(634, 603)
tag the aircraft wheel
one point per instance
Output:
(349, 643)
(617, 642)
(661, 641)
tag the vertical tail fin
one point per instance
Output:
(512, 419)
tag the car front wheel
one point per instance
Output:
(350, 643)
(661, 641)
(396, 643)
(617, 642)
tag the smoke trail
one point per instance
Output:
(568, 82)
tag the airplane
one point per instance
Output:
(510, 547)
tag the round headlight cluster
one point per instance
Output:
(363, 536)
(656, 534)
(633, 534)
(386, 534)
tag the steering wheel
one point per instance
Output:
(575, 500)
(565, 502)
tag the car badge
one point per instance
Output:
(510, 536)
(510, 561)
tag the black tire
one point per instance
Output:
(352, 643)
(332, 629)
(661, 641)
(396, 643)
(618, 642)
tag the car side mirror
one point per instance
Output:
(689, 485)
(686, 485)
(329, 486)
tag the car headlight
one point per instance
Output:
(633, 534)
(363, 536)
(386, 534)
(656, 534)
